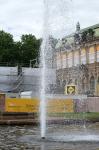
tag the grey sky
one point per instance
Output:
(26, 16)
(86, 11)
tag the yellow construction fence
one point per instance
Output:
(32, 105)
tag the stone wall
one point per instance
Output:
(93, 104)
(89, 105)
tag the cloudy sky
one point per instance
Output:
(26, 16)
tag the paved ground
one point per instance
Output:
(28, 138)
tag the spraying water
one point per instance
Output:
(44, 49)
(55, 25)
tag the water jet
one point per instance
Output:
(75, 133)
(43, 138)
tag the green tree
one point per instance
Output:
(21, 52)
(29, 48)
(6, 44)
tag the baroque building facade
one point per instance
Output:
(77, 61)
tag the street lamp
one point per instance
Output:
(33, 61)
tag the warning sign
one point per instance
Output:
(70, 90)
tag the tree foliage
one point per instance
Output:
(20, 52)
(29, 48)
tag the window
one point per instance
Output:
(97, 48)
(63, 60)
(70, 81)
(70, 59)
(76, 58)
(91, 55)
(98, 80)
(58, 82)
(64, 83)
(83, 84)
(76, 81)
(83, 56)
(58, 60)
(92, 83)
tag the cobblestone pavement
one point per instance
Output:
(11, 139)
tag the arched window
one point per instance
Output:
(64, 83)
(92, 83)
(76, 81)
(83, 84)
(98, 80)
(70, 81)
(58, 82)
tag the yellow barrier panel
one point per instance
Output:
(60, 106)
(21, 105)
(32, 105)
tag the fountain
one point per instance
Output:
(64, 26)
(46, 51)
(61, 127)
(63, 130)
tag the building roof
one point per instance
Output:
(91, 27)
(68, 40)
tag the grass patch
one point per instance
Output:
(91, 116)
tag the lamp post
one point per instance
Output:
(32, 60)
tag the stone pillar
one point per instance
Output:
(95, 53)
(66, 59)
(60, 59)
(79, 56)
(87, 55)
(95, 68)
(73, 58)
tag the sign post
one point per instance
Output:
(70, 89)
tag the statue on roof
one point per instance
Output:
(78, 27)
